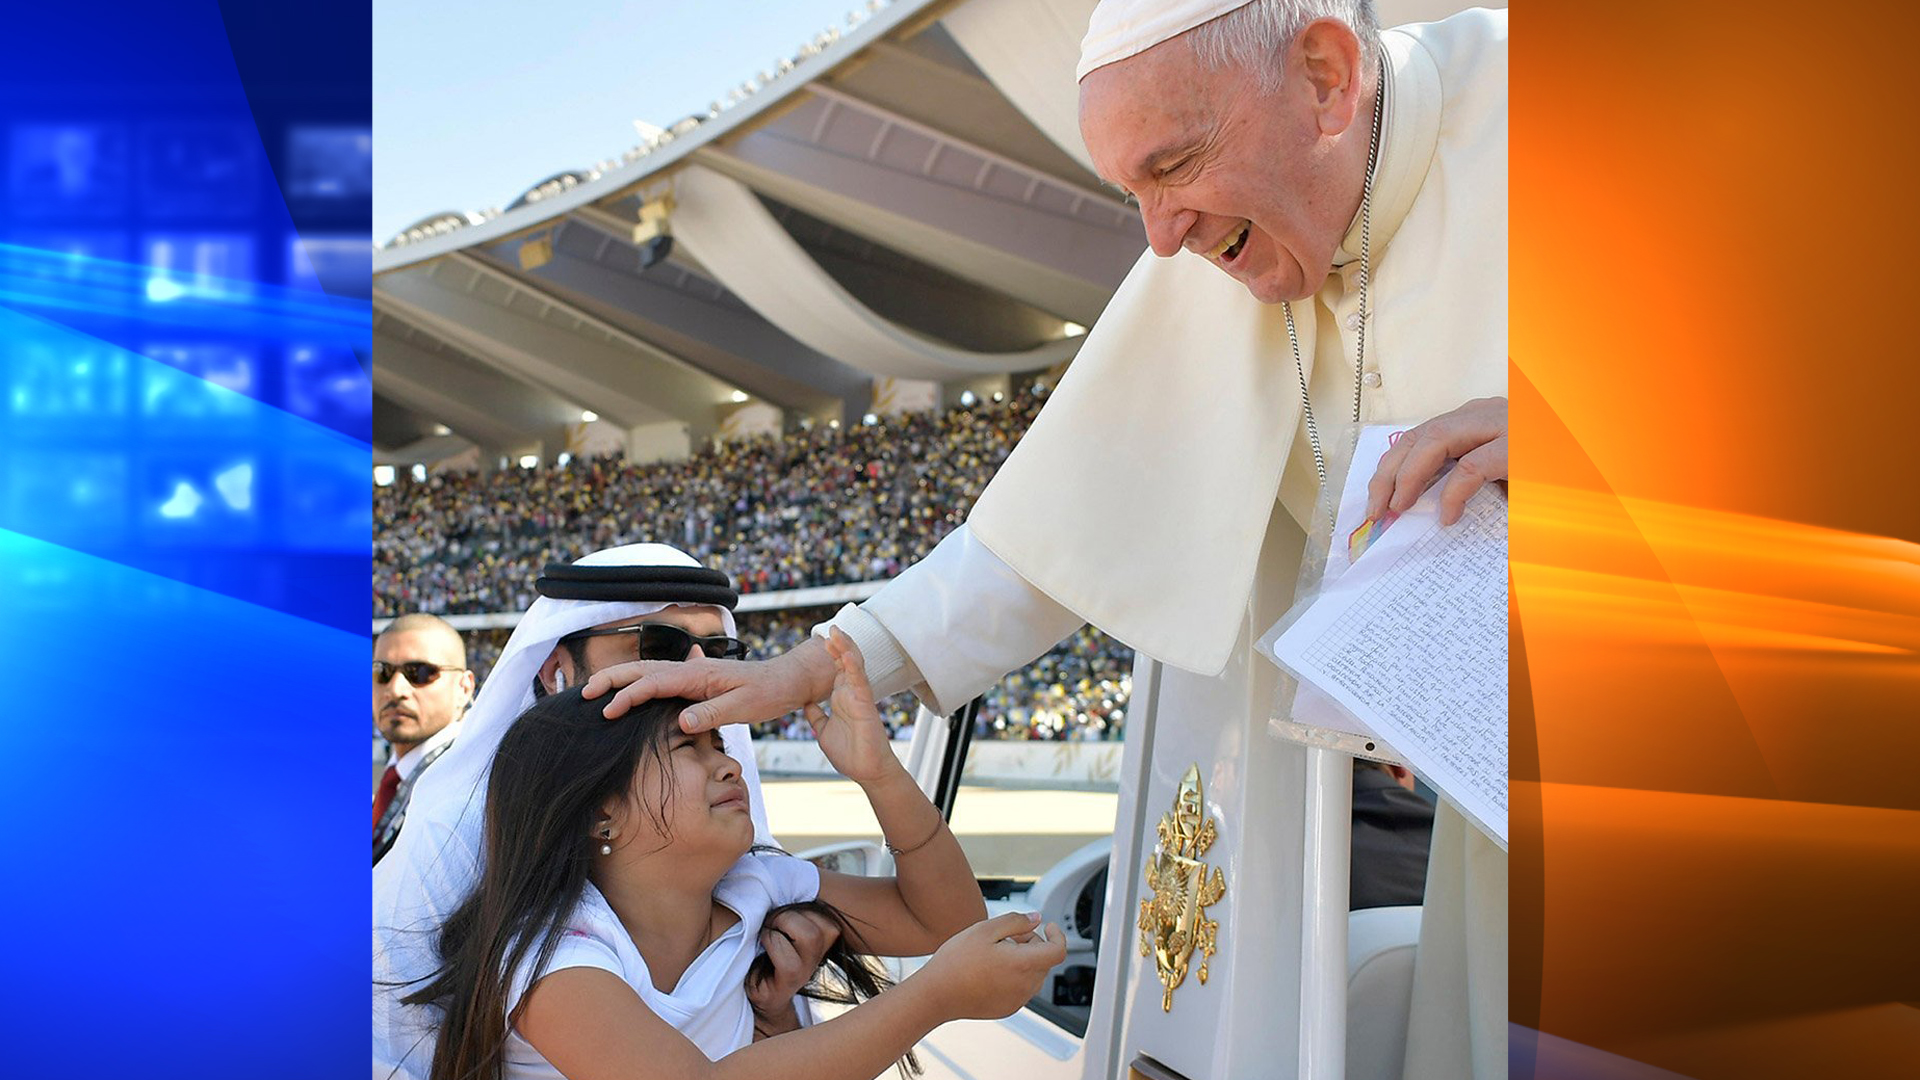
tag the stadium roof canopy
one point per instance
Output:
(906, 197)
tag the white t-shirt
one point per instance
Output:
(709, 1005)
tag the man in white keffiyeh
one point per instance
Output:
(589, 614)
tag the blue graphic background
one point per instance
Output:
(184, 536)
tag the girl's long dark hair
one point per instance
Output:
(847, 975)
(558, 763)
(847, 971)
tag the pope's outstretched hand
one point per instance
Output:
(1474, 433)
(727, 691)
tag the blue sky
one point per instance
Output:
(476, 101)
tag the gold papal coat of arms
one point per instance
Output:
(1173, 924)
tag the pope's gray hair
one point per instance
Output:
(1255, 37)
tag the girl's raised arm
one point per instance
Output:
(933, 894)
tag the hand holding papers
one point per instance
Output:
(1409, 635)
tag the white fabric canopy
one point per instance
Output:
(1027, 49)
(738, 241)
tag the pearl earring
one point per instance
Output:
(606, 849)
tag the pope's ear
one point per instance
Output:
(1329, 55)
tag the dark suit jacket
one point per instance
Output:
(388, 829)
(1392, 828)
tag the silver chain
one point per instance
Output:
(1366, 253)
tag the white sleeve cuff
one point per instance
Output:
(959, 619)
(889, 671)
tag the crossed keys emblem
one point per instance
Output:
(1173, 924)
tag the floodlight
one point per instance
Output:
(654, 251)
(536, 253)
(653, 219)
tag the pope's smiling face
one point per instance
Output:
(1261, 182)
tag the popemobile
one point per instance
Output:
(1209, 937)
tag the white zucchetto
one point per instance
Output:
(1123, 28)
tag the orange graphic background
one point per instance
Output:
(1716, 498)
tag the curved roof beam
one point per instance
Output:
(1028, 50)
(473, 423)
(733, 234)
(447, 377)
(540, 339)
(909, 78)
(396, 424)
(694, 319)
(966, 210)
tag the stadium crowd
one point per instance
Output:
(815, 507)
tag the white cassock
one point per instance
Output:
(1161, 493)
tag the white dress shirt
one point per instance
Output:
(409, 761)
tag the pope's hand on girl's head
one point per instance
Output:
(640, 681)
(1474, 433)
(616, 676)
(729, 691)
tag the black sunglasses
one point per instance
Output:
(664, 641)
(418, 672)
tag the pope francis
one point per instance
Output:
(1326, 205)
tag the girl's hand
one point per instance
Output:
(992, 968)
(796, 941)
(852, 734)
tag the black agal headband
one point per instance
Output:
(661, 584)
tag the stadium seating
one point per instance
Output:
(814, 507)
(817, 507)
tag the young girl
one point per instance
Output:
(620, 908)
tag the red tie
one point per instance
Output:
(389, 783)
